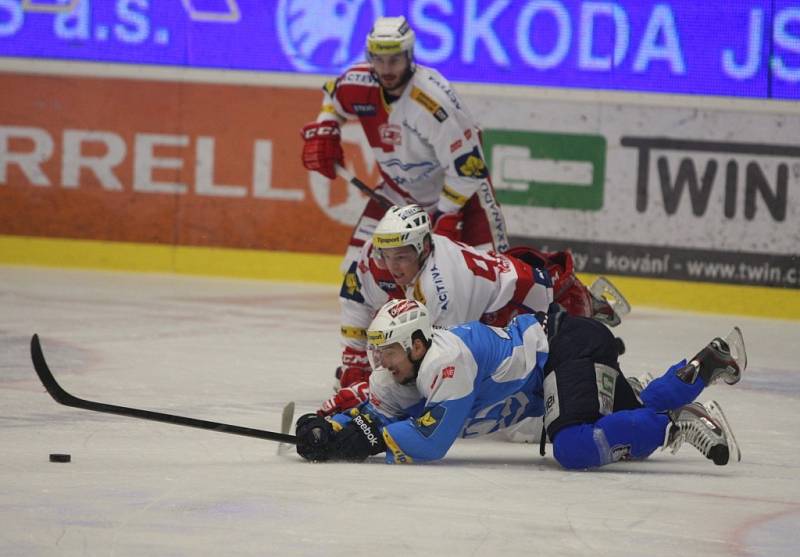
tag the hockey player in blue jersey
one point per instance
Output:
(433, 386)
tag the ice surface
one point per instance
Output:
(236, 351)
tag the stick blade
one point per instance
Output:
(287, 417)
(44, 373)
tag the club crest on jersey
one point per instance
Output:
(430, 420)
(471, 165)
(351, 286)
(391, 134)
(448, 372)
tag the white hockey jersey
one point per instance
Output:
(457, 283)
(426, 142)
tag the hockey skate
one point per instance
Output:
(639, 383)
(724, 359)
(703, 425)
(608, 303)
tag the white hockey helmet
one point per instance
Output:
(397, 321)
(391, 35)
(403, 226)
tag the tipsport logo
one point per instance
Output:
(325, 36)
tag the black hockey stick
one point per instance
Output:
(372, 194)
(63, 397)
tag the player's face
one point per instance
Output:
(390, 69)
(395, 359)
(403, 263)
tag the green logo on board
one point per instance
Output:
(561, 170)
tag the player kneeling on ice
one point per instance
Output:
(431, 386)
(457, 283)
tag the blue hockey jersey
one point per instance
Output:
(474, 380)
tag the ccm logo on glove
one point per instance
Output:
(321, 130)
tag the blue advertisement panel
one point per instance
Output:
(739, 48)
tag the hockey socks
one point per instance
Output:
(669, 392)
(627, 434)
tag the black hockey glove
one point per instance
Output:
(315, 438)
(360, 438)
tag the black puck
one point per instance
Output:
(55, 457)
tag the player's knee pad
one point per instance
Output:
(574, 447)
(630, 434)
(623, 435)
(668, 392)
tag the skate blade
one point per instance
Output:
(603, 289)
(715, 410)
(735, 342)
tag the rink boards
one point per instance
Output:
(130, 167)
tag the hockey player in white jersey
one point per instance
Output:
(425, 141)
(431, 387)
(458, 283)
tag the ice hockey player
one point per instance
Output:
(432, 386)
(424, 140)
(458, 283)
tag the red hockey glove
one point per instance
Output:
(355, 367)
(345, 399)
(352, 375)
(448, 224)
(323, 148)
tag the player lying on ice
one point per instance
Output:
(431, 386)
(457, 282)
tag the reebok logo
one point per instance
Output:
(366, 429)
